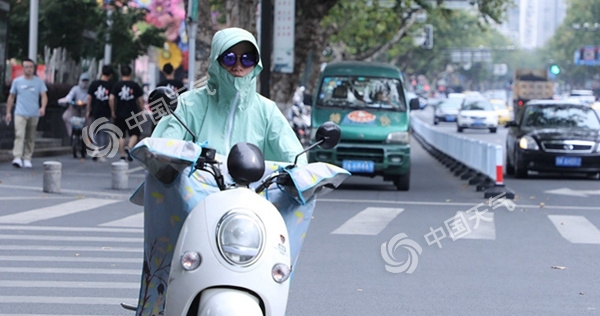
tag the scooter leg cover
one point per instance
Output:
(166, 208)
(296, 217)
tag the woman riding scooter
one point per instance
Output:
(226, 111)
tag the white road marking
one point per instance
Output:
(136, 220)
(71, 238)
(115, 301)
(370, 221)
(71, 258)
(54, 211)
(70, 248)
(576, 229)
(70, 284)
(38, 270)
(486, 229)
(73, 229)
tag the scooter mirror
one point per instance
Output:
(245, 163)
(330, 133)
(164, 96)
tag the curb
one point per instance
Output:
(7, 156)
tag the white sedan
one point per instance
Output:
(477, 113)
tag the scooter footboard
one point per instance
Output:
(228, 302)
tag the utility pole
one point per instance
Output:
(266, 46)
(108, 46)
(192, 30)
(33, 29)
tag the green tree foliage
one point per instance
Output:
(63, 24)
(561, 47)
(385, 31)
(80, 27)
(129, 35)
(18, 34)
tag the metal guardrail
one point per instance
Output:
(477, 155)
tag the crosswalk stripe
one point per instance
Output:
(70, 284)
(69, 259)
(486, 229)
(54, 211)
(73, 229)
(136, 220)
(370, 221)
(62, 300)
(576, 229)
(38, 270)
(71, 238)
(70, 248)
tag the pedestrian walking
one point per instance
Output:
(97, 107)
(125, 101)
(170, 81)
(31, 101)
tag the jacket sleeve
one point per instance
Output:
(281, 139)
(187, 111)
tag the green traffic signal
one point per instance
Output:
(554, 69)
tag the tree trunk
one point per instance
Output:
(204, 36)
(310, 40)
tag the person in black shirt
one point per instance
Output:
(97, 107)
(126, 101)
(170, 81)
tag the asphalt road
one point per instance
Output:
(78, 252)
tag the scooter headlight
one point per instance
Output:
(240, 237)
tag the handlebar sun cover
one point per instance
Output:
(173, 187)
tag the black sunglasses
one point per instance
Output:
(247, 59)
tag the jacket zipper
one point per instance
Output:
(230, 122)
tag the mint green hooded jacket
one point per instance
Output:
(228, 110)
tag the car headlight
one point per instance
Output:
(527, 142)
(398, 137)
(240, 237)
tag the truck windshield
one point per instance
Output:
(362, 92)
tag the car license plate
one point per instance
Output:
(478, 122)
(363, 166)
(450, 118)
(568, 161)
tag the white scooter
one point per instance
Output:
(214, 242)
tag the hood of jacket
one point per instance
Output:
(84, 80)
(225, 86)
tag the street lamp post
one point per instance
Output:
(33, 29)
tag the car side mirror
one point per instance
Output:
(414, 104)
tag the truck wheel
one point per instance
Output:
(459, 129)
(402, 182)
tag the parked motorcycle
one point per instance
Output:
(222, 234)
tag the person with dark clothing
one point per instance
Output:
(170, 81)
(97, 107)
(125, 101)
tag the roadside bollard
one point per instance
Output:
(52, 174)
(120, 175)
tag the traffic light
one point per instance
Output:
(554, 69)
(428, 44)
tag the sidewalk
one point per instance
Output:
(79, 177)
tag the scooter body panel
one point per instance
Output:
(199, 234)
